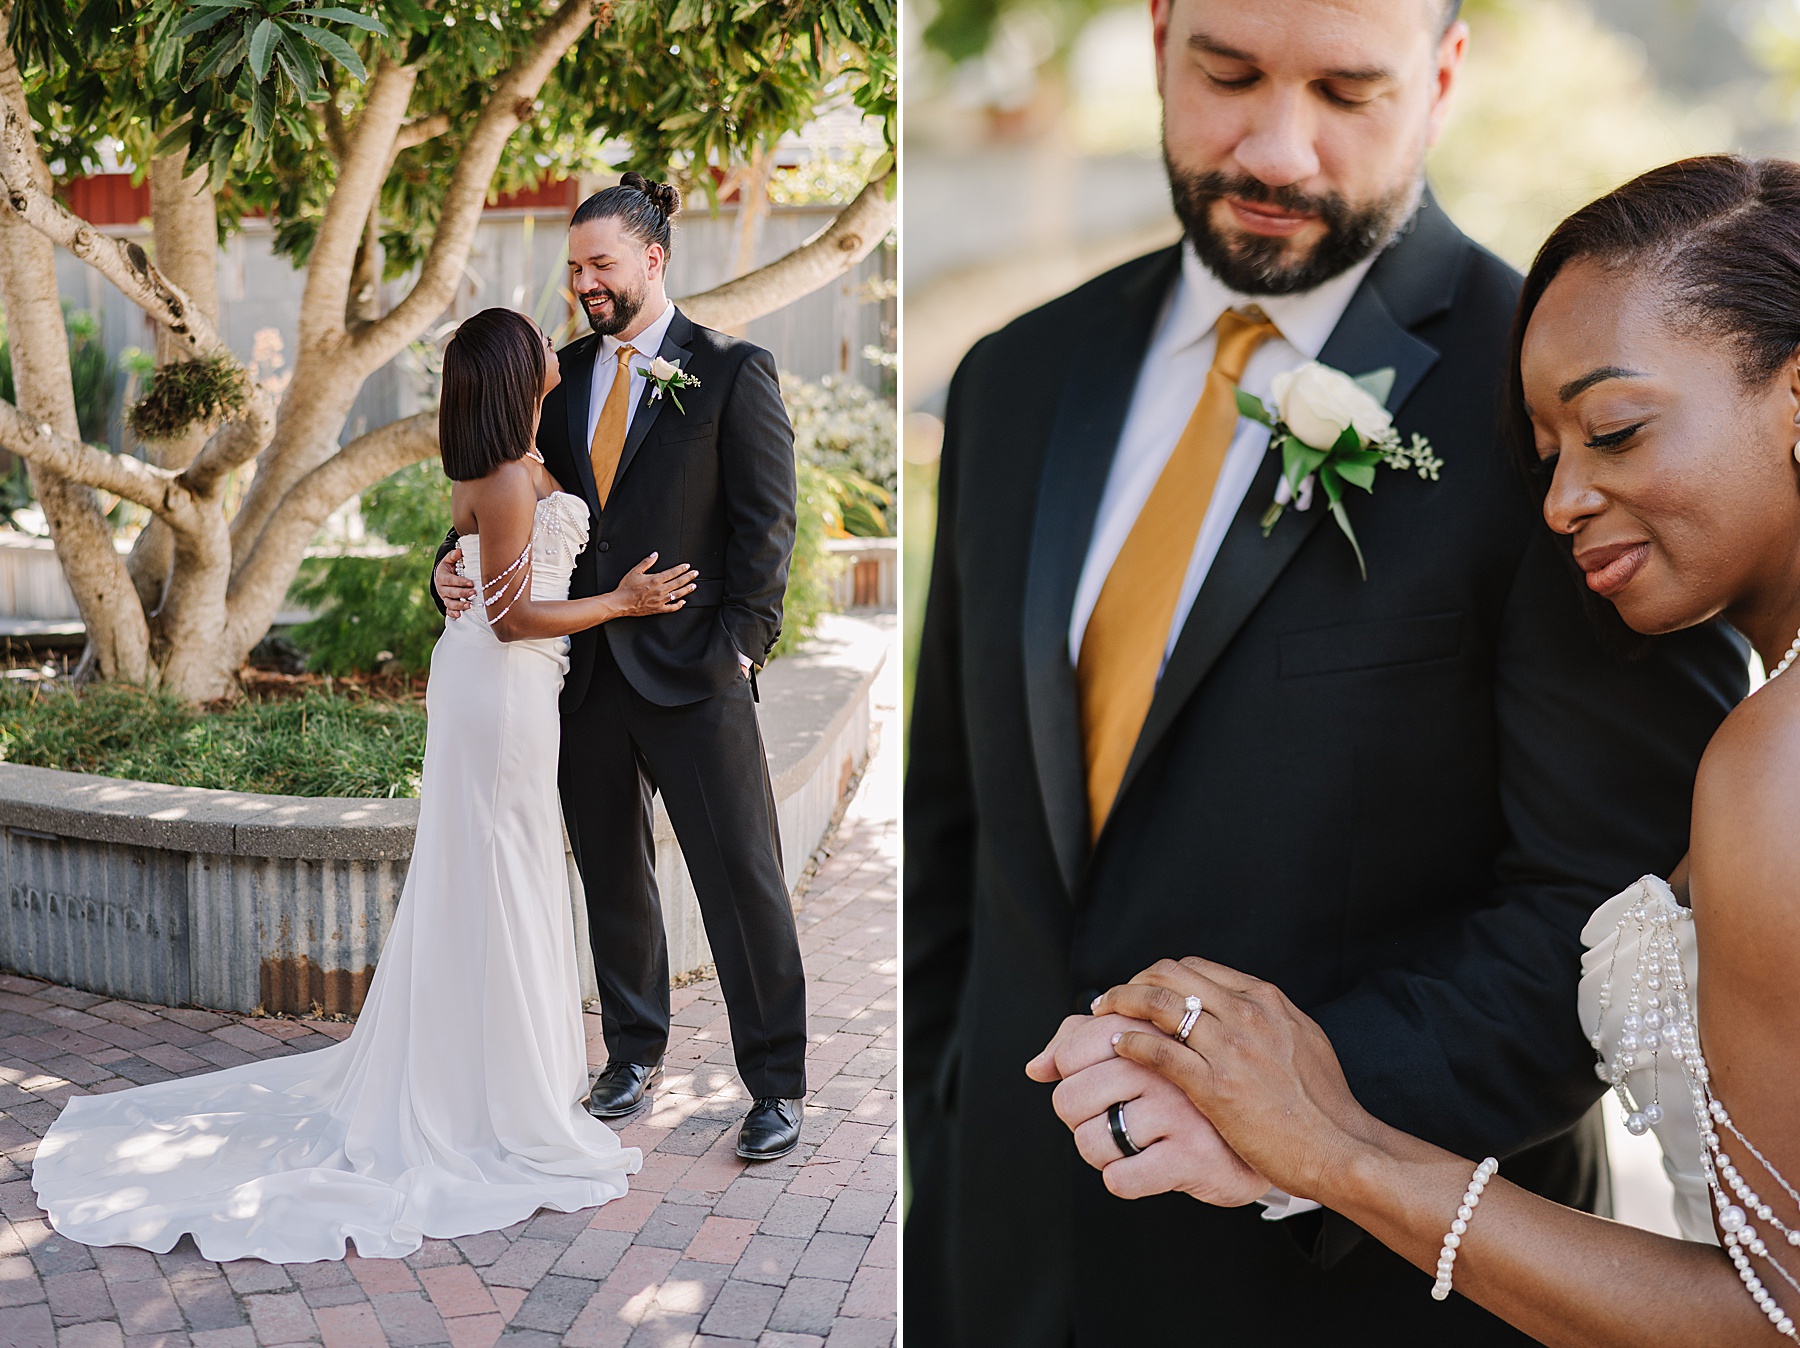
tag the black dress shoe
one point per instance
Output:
(771, 1129)
(620, 1088)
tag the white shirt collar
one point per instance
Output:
(1306, 318)
(648, 342)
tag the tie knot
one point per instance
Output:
(1239, 335)
(626, 352)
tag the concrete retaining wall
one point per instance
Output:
(185, 896)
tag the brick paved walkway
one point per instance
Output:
(704, 1250)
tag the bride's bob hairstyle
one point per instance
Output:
(494, 370)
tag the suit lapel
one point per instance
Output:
(674, 348)
(1077, 459)
(577, 361)
(1414, 280)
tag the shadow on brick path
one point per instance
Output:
(704, 1250)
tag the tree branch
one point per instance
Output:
(156, 489)
(420, 130)
(850, 237)
(232, 446)
(261, 581)
(120, 261)
(360, 175)
(336, 135)
(510, 105)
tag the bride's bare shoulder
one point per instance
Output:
(1746, 827)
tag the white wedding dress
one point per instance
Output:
(454, 1105)
(1612, 950)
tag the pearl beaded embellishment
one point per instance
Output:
(553, 536)
(1446, 1265)
(1793, 652)
(1659, 1017)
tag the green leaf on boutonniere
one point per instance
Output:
(1300, 460)
(1356, 474)
(1251, 406)
(1333, 487)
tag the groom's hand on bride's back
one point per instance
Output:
(1181, 1151)
(457, 591)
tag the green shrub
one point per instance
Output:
(95, 377)
(813, 568)
(96, 383)
(316, 744)
(376, 612)
(848, 433)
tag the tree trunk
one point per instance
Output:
(753, 209)
(118, 639)
(185, 237)
(365, 277)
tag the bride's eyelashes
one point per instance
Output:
(1615, 439)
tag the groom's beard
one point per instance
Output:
(617, 317)
(1254, 264)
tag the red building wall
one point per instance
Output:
(111, 199)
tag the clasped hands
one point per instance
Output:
(1254, 1100)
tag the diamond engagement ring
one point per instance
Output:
(1188, 1020)
(1115, 1119)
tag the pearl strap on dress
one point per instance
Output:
(498, 586)
(1446, 1265)
(1659, 1017)
(1793, 653)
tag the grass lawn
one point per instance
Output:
(303, 737)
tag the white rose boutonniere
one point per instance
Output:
(666, 376)
(1333, 429)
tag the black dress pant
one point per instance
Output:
(707, 760)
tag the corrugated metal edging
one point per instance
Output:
(104, 917)
(286, 933)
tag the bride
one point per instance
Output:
(454, 1106)
(1656, 383)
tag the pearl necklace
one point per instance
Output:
(1659, 1017)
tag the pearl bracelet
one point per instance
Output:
(1453, 1237)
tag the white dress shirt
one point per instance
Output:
(606, 368)
(1168, 387)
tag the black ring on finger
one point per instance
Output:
(1115, 1120)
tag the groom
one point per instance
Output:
(699, 470)
(1146, 727)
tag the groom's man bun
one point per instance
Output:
(642, 207)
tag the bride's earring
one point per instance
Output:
(1797, 451)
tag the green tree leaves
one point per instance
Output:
(686, 89)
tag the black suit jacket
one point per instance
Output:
(1399, 799)
(711, 485)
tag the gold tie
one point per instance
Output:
(1122, 648)
(609, 430)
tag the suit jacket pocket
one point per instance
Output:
(1375, 645)
(707, 594)
(683, 430)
